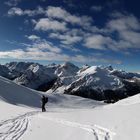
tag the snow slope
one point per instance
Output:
(67, 117)
(109, 122)
(99, 77)
(16, 94)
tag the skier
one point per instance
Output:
(44, 101)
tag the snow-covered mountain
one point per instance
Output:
(37, 77)
(66, 74)
(101, 83)
(32, 75)
(66, 69)
(17, 68)
(98, 77)
(92, 83)
(96, 82)
(124, 75)
(5, 72)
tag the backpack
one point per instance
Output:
(46, 99)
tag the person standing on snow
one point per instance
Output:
(44, 101)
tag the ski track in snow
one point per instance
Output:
(13, 129)
(98, 132)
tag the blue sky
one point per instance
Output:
(99, 32)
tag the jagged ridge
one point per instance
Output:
(96, 82)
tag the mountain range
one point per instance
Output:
(95, 82)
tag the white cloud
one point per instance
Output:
(39, 49)
(128, 29)
(15, 11)
(54, 12)
(99, 42)
(97, 8)
(38, 44)
(126, 26)
(12, 54)
(38, 11)
(12, 2)
(33, 37)
(132, 37)
(60, 13)
(123, 22)
(44, 50)
(121, 32)
(45, 24)
(45, 45)
(66, 38)
(36, 54)
(70, 47)
(33, 21)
